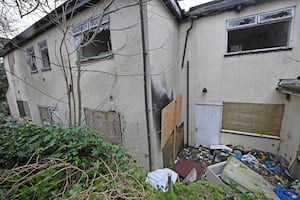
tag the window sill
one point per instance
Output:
(34, 72)
(250, 134)
(258, 51)
(46, 69)
(103, 56)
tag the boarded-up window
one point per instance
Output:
(253, 118)
(107, 123)
(23, 109)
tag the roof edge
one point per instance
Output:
(174, 8)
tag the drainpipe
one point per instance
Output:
(145, 81)
(187, 101)
(187, 79)
(186, 40)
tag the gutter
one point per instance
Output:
(218, 6)
(174, 8)
(145, 82)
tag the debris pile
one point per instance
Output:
(270, 167)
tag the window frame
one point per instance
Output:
(259, 22)
(79, 33)
(43, 46)
(31, 55)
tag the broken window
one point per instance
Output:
(31, 61)
(45, 115)
(269, 30)
(50, 114)
(44, 55)
(23, 109)
(98, 47)
(252, 118)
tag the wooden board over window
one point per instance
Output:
(253, 118)
(107, 123)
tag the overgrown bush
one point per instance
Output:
(77, 145)
(52, 162)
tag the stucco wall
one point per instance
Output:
(245, 78)
(162, 33)
(120, 77)
(290, 132)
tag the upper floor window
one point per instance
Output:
(44, 55)
(270, 30)
(98, 47)
(31, 60)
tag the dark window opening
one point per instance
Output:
(101, 44)
(259, 37)
(23, 109)
(44, 54)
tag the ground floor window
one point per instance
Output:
(23, 109)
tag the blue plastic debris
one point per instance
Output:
(286, 194)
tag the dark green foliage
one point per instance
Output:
(77, 145)
(53, 162)
(3, 83)
(3, 88)
(57, 162)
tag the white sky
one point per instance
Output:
(186, 4)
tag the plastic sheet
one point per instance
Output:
(159, 178)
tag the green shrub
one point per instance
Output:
(21, 142)
(48, 162)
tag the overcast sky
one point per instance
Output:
(186, 4)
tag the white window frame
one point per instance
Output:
(289, 10)
(78, 31)
(259, 21)
(232, 27)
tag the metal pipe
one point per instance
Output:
(145, 81)
(186, 40)
(187, 100)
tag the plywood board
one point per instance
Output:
(107, 123)
(254, 118)
(167, 122)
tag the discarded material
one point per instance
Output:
(159, 178)
(236, 172)
(248, 169)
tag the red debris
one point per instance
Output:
(183, 168)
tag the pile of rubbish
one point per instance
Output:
(273, 168)
(248, 169)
